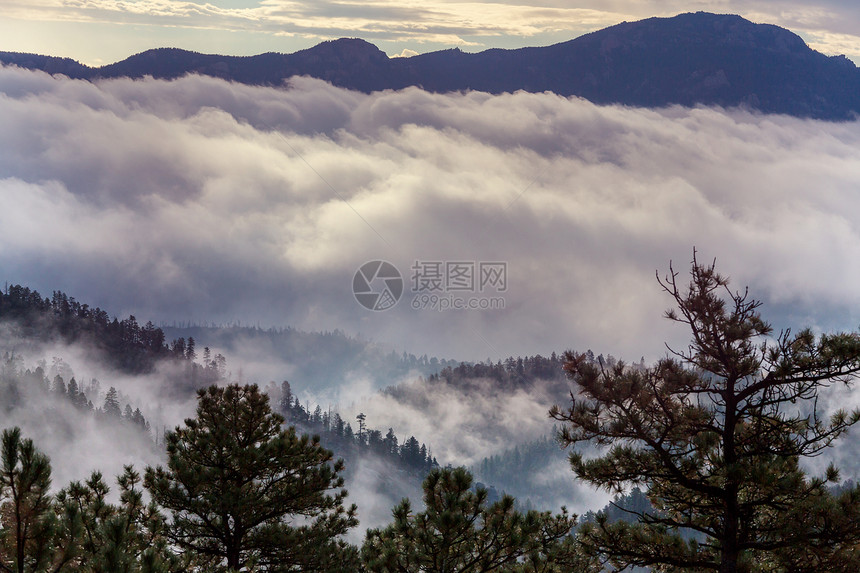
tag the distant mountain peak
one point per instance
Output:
(351, 44)
(696, 58)
(347, 49)
(699, 29)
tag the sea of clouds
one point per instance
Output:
(203, 200)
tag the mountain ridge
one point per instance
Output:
(689, 59)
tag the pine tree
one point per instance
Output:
(124, 538)
(374, 441)
(190, 354)
(59, 386)
(28, 528)
(285, 404)
(74, 393)
(390, 441)
(361, 427)
(236, 481)
(410, 452)
(138, 419)
(715, 433)
(422, 454)
(220, 365)
(178, 347)
(111, 405)
(459, 532)
(338, 425)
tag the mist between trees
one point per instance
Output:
(715, 437)
(241, 493)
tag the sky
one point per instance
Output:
(205, 201)
(97, 32)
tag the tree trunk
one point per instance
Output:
(19, 536)
(729, 551)
(233, 557)
(731, 518)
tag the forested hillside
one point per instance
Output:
(314, 361)
(293, 479)
(339, 435)
(124, 344)
(43, 384)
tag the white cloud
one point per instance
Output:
(437, 23)
(199, 199)
(461, 426)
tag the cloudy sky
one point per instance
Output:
(96, 32)
(207, 201)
